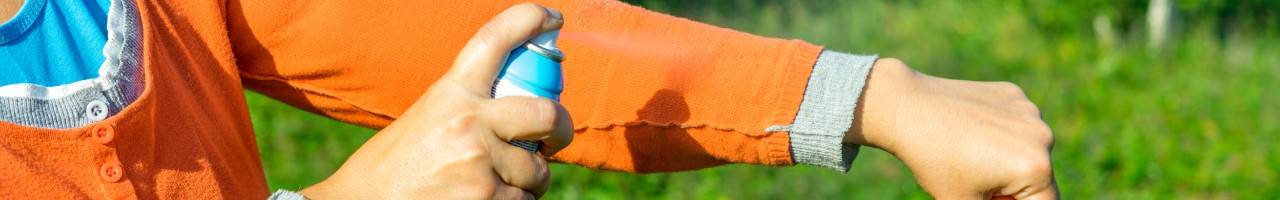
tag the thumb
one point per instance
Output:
(482, 57)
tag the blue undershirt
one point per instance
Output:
(53, 42)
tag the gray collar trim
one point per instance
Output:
(119, 83)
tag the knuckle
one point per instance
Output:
(461, 124)
(546, 109)
(530, 9)
(1029, 107)
(1034, 167)
(1011, 88)
(1044, 131)
(469, 152)
(488, 36)
(503, 29)
(472, 154)
(475, 146)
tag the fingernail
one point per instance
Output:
(554, 19)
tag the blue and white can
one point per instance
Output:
(532, 70)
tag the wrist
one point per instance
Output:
(875, 117)
(339, 186)
(315, 191)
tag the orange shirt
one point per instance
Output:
(648, 92)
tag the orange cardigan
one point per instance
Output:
(648, 92)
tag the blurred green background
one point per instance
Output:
(1191, 116)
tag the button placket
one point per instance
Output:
(111, 171)
(103, 134)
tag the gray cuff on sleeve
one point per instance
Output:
(283, 194)
(826, 112)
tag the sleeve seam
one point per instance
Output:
(310, 89)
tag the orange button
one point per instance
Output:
(103, 134)
(111, 171)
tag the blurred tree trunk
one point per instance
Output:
(1159, 19)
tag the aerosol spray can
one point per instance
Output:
(533, 70)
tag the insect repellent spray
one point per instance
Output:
(533, 70)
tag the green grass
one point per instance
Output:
(1195, 119)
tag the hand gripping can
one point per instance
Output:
(533, 70)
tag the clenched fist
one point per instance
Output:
(962, 139)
